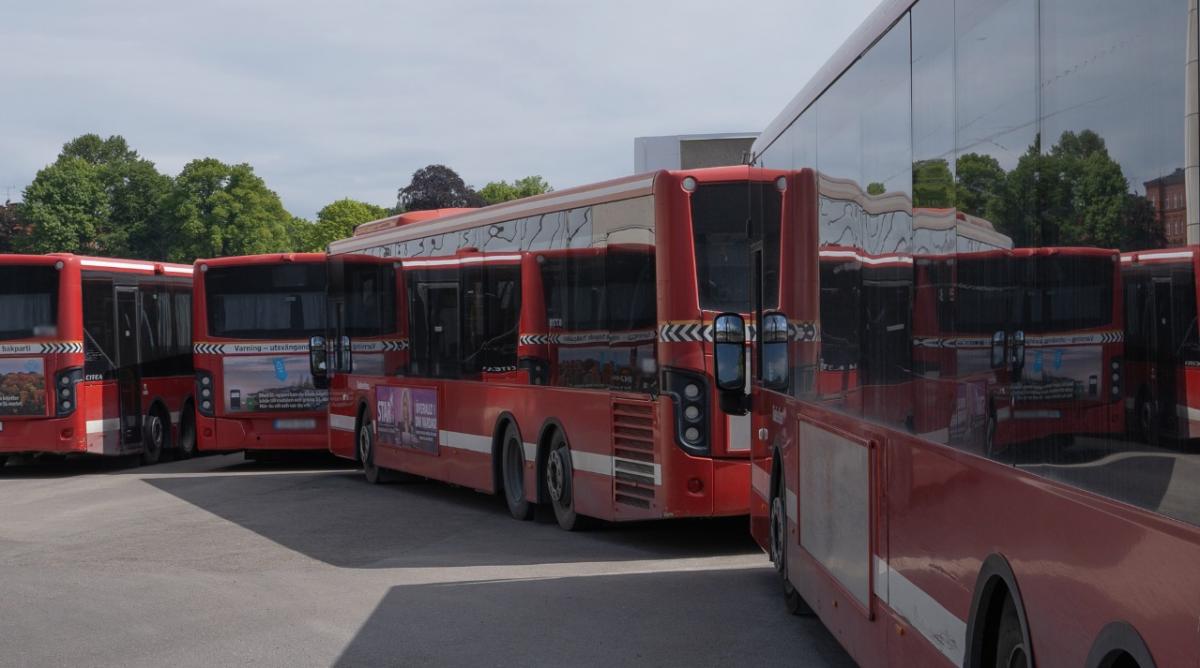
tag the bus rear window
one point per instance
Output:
(266, 301)
(726, 218)
(28, 301)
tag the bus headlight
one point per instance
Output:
(67, 381)
(204, 384)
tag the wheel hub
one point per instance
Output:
(777, 534)
(364, 443)
(555, 480)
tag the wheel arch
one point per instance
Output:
(996, 581)
(1118, 641)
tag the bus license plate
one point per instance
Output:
(295, 425)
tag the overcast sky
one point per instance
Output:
(347, 99)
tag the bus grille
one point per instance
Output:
(634, 430)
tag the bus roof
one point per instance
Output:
(117, 265)
(265, 258)
(887, 13)
(627, 187)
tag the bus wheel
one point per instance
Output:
(1147, 421)
(791, 598)
(366, 453)
(560, 484)
(1010, 641)
(154, 438)
(512, 461)
(989, 436)
(187, 433)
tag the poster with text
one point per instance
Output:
(407, 417)
(22, 386)
(267, 383)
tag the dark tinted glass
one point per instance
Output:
(28, 302)
(266, 301)
(724, 216)
(370, 296)
(99, 329)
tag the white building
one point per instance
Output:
(691, 151)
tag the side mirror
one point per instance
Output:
(729, 352)
(1018, 351)
(347, 359)
(776, 367)
(999, 341)
(318, 361)
(729, 362)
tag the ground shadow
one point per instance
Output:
(60, 466)
(704, 618)
(336, 517)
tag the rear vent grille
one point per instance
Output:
(634, 467)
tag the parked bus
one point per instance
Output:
(915, 549)
(253, 317)
(1162, 348)
(1019, 346)
(546, 356)
(95, 357)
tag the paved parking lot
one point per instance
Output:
(218, 561)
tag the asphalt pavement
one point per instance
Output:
(218, 561)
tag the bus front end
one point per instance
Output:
(41, 358)
(253, 319)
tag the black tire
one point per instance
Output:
(1010, 640)
(187, 433)
(366, 453)
(154, 439)
(1147, 420)
(512, 470)
(558, 476)
(3, 460)
(791, 598)
(989, 435)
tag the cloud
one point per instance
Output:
(329, 100)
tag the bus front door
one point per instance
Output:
(129, 376)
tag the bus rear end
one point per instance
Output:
(253, 318)
(41, 357)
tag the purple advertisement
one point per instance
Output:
(262, 383)
(22, 386)
(407, 417)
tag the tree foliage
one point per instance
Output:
(97, 197)
(436, 187)
(337, 220)
(12, 226)
(503, 191)
(216, 209)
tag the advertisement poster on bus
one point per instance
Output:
(263, 383)
(407, 417)
(22, 386)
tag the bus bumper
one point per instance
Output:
(44, 435)
(291, 433)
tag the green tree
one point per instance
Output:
(216, 210)
(337, 220)
(503, 191)
(933, 184)
(436, 187)
(980, 185)
(12, 227)
(97, 197)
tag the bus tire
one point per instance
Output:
(187, 432)
(154, 438)
(791, 597)
(1010, 639)
(512, 466)
(366, 453)
(1147, 419)
(558, 475)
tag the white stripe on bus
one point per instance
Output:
(942, 628)
(341, 422)
(103, 426)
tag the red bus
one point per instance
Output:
(915, 548)
(545, 355)
(1019, 346)
(1162, 347)
(253, 317)
(95, 357)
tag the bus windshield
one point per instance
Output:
(29, 302)
(256, 302)
(725, 216)
(1038, 295)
